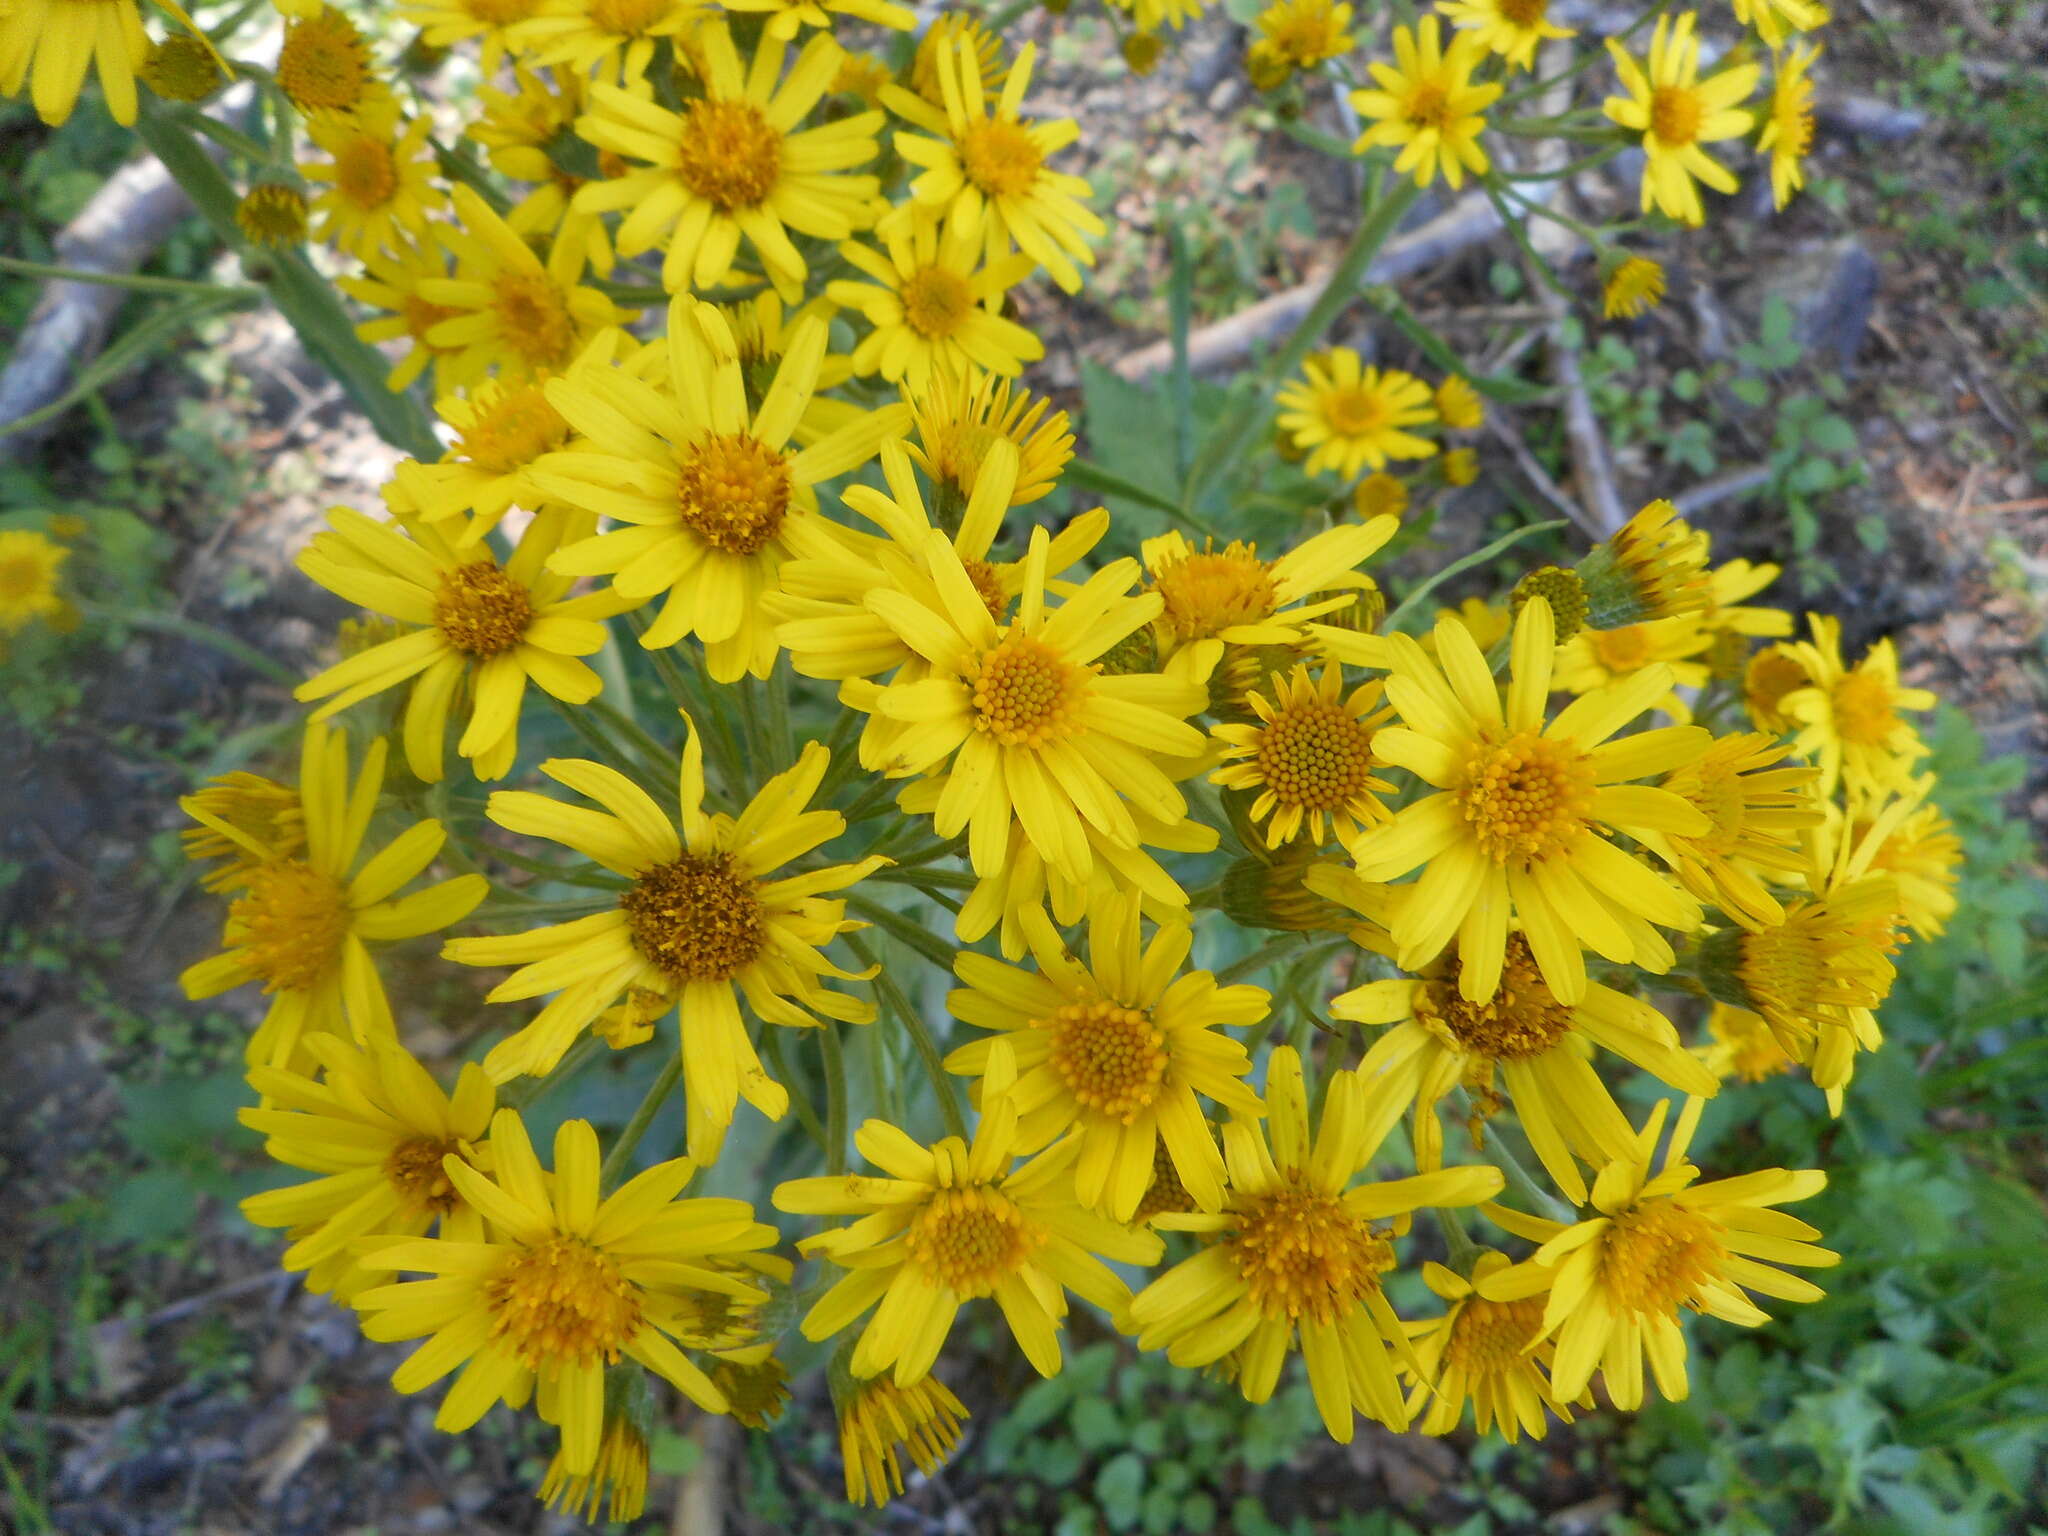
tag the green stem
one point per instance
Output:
(928, 944)
(199, 634)
(1266, 954)
(1523, 1183)
(807, 1117)
(1373, 232)
(948, 1091)
(139, 283)
(607, 750)
(1464, 1253)
(835, 1098)
(525, 1092)
(629, 1138)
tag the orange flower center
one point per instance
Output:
(1428, 106)
(415, 1171)
(1355, 411)
(1622, 650)
(1490, 1338)
(1772, 674)
(1864, 712)
(697, 917)
(289, 924)
(22, 577)
(988, 586)
(1656, 1255)
(534, 318)
(365, 172)
(1000, 157)
(935, 301)
(1111, 1058)
(1527, 797)
(1303, 1253)
(1520, 1020)
(971, 1239)
(731, 155)
(1524, 13)
(324, 64)
(1210, 591)
(1026, 694)
(563, 1302)
(628, 18)
(1317, 755)
(421, 317)
(733, 492)
(500, 13)
(481, 610)
(513, 430)
(1675, 115)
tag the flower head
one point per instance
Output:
(1652, 567)
(1305, 33)
(1772, 17)
(266, 816)
(934, 304)
(29, 566)
(1486, 1351)
(1676, 112)
(445, 23)
(325, 70)
(502, 430)
(1309, 756)
(1232, 595)
(961, 415)
(1758, 808)
(1851, 719)
(787, 17)
(615, 1483)
(272, 213)
(1634, 287)
(877, 1418)
(1514, 29)
(1788, 126)
(391, 282)
(609, 39)
(1348, 416)
(1428, 104)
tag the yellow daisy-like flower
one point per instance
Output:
(944, 36)
(953, 1223)
(701, 923)
(1758, 809)
(706, 487)
(303, 925)
(1772, 676)
(1742, 1046)
(518, 129)
(931, 308)
(502, 429)
(1536, 1045)
(1662, 1243)
(375, 1126)
(1515, 827)
(325, 70)
(266, 815)
(51, 44)
(1486, 1352)
(984, 168)
(30, 564)
(566, 1284)
(1458, 405)
(1849, 718)
(876, 1417)
(1772, 17)
(1635, 287)
(1298, 1251)
(1348, 417)
(610, 39)
(958, 417)
(1788, 127)
(1309, 757)
(1653, 567)
(391, 282)
(1022, 719)
(733, 163)
(1115, 1050)
(787, 17)
(1676, 112)
(616, 1482)
(1600, 658)
(445, 23)
(492, 627)
(1922, 854)
(183, 67)
(1306, 33)
(1379, 494)
(380, 182)
(272, 213)
(1428, 104)
(508, 313)
(1231, 595)
(1514, 29)
(1725, 611)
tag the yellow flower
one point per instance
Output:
(268, 824)
(1115, 1051)
(492, 627)
(1600, 658)
(611, 39)
(1484, 1351)
(1788, 129)
(876, 1416)
(1653, 567)
(445, 23)
(182, 67)
(1379, 494)
(1849, 718)
(959, 417)
(1459, 467)
(380, 183)
(1232, 595)
(1772, 676)
(1727, 586)
(862, 75)
(700, 922)
(1458, 405)
(1921, 852)
(1635, 287)
(787, 17)
(733, 163)
(391, 282)
(1020, 718)
(756, 1385)
(1511, 28)
(375, 1126)
(1428, 104)
(944, 36)
(501, 431)
(1298, 1250)
(518, 129)
(302, 925)
(1309, 757)
(1676, 112)
(956, 1222)
(984, 168)
(706, 488)
(1661, 1243)
(1305, 33)
(1742, 1045)
(272, 213)
(1515, 825)
(1772, 17)
(29, 565)
(1266, 66)
(1537, 1046)
(325, 70)
(931, 309)
(565, 1285)
(507, 312)
(1348, 416)
(616, 1482)
(1757, 810)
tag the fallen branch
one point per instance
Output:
(1726, 487)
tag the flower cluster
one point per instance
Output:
(739, 489)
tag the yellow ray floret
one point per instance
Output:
(1429, 105)
(1677, 112)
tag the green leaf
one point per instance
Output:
(1120, 1491)
(151, 1206)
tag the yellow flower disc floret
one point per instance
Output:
(730, 154)
(971, 1238)
(1657, 1254)
(733, 492)
(1526, 797)
(563, 1302)
(696, 917)
(1111, 1058)
(1025, 694)
(481, 609)
(1304, 1254)
(1521, 1020)
(290, 922)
